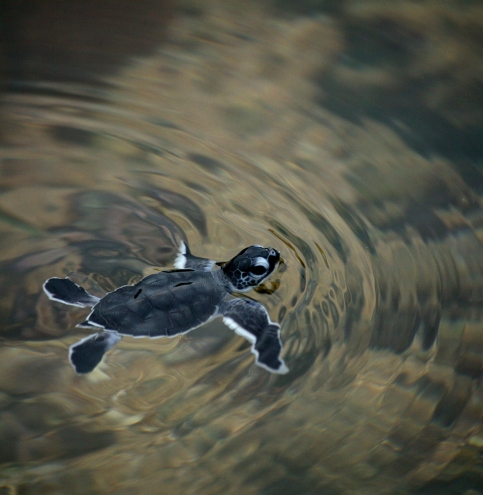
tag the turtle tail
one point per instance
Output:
(67, 292)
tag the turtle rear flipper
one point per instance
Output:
(250, 319)
(67, 292)
(86, 354)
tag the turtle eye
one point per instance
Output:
(258, 270)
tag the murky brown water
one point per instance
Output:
(348, 136)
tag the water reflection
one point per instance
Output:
(350, 141)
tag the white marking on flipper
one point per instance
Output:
(185, 259)
(112, 338)
(95, 299)
(215, 314)
(91, 324)
(180, 261)
(239, 330)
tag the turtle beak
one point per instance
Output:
(280, 259)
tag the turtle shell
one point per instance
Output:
(161, 305)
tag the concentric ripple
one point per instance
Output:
(379, 296)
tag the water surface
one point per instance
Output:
(346, 135)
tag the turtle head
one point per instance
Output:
(251, 267)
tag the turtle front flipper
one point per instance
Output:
(86, 354)
(67, 292)
(250, 319)
(185, 259)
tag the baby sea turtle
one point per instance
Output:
(174, 302)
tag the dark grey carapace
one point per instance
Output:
(174, 302)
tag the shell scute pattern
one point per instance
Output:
(181, 318)
(184, 294)
(140, 306)
(160, 298)
(199, 305)
(176, 300)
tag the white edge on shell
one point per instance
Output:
(167, 336)
(239, 330)
(180, 261)
(215, 315)
(115, 337)
(52, 298)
